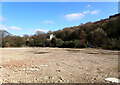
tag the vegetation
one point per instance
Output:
(101, 34)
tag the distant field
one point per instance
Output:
(67, 65)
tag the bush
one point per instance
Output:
(59, 42)
(73, 44)
(87, 44)
(47, 43)
(118, 44)
(53, 42)
(115, 44)
(68, 44)
(6, 44)
(79, 44)
(97, 37)
(112, 44)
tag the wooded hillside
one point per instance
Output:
(100, 34)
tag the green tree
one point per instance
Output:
(59, 42)
(97, 37)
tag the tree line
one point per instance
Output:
(100, 34)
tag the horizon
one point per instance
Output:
(21, 18)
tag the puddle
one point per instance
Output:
(106, 53)
(41, 52)
(75, 51)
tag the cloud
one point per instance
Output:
(2, 18)
(88, 6)
(78, 16)
(91, 12)
(74, 16)
(48, 22)
(43, 30)
(95, 12)
(15, 28)
(3, 27)
(86, 12)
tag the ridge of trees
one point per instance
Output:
(100, 34)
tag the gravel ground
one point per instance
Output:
(57, 65)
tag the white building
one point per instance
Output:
(51, 36)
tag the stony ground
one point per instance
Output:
(53, 65)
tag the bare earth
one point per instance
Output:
(53, 65)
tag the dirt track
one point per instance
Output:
(29, 65)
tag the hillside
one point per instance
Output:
(100, 34)
(104, 32)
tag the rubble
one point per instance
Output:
(59, 66)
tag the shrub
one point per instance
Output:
(6, 44)
(97, 37)
(47, 43)
(59, 42)
(68, 44)
(79, 44)
(53, 42)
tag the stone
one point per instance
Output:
(80, 67)
(114, 80)
(58, 70)
(46, 77)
